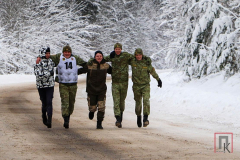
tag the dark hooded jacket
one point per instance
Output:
(96, 77)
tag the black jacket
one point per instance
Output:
(96, 77)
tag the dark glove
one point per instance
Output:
(79, 71)
(112, 54)
(159, 83)
(56, 79)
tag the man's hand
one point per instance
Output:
(112, 54)
(79, 71)
(159, 83)
(38, 60)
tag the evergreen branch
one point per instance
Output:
(209, 48)
(236, 16)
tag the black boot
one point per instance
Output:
(91, 115)
(49, 121)
(139, 121)
(118, 122)
(121, 116)
(145, 121)
(66, 122)
(44, 118)
(100, 117)
(99, 125)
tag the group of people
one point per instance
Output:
(96, 69)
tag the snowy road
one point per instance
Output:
(169, 136)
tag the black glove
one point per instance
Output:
(159, 83)
(112, 54)
(79, 71)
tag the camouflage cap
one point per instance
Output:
(138, 51)
(67, 49)
(118, 45)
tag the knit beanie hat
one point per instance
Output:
(47, 50)
(138, 51)
(98, 52)
(118, 45)
(67, 49)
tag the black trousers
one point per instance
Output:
(46, 96)
(95, 98)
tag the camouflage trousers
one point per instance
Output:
(142, 92)
(68, 96)
(97, 102)
(119, 93)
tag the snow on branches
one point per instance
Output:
(211, 39)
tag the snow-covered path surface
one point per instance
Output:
(183, 120)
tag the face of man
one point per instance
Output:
(118, 50)
(138, 57)
(47, 55)
(98, 57)
(67, 54)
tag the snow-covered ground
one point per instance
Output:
(213, 98)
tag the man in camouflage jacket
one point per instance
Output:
(120, 61)
(141, 71)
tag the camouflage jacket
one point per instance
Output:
(96, 77)
(120, 66)
(141, 71)
(56, 59)
(44, 72)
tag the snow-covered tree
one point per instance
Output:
(211, 39)
(157, 26)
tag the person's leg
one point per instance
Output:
(92, 105)
(42, 96)
(123, 95)
(101, 110)
(138, 99)
(49, 97)
(64, 94)
(146, 104)
(116, 102)
(138, 104)
(72, 97)
(116, 98)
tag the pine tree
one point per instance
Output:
(211, 37)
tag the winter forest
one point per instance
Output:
(198, 37)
